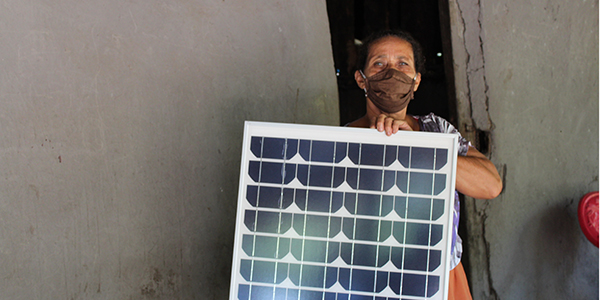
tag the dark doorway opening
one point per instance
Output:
(428, 21)
(351, 21)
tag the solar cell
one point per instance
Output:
(342, 213)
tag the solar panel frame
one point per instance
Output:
(269, 272)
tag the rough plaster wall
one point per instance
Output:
(122, 124)
(541, 73)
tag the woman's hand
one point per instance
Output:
(389, 124)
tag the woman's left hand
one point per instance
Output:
(389, 124)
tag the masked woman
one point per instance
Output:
(389, 71)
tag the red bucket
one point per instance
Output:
(587, 212)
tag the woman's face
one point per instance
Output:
(390, 52)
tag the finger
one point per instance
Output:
(380, 123)
(389, 123)
(396, 126)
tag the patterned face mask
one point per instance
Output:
(390, 90)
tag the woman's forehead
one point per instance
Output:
(391, 45)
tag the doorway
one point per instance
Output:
(350, 21)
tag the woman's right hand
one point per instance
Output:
(389, 124)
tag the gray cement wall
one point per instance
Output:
(121, 134)
(528, 73)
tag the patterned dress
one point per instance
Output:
(433, 123)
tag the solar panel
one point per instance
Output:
(343, 213)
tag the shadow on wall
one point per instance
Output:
(553, 234)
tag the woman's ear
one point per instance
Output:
(417, 81)
(359, 79)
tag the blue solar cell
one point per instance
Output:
(317, 151)
(243, 292)
(320, 176)
(265, 221)
(330, 276)
(350, 202)
(265, 246)
(363, 280)
(397, 257)
(271, 172)
(341, 296)
(359, 254)
(415, 259)
(316, 200)
(366, 229)
(250, 219)
(246, 269)
(256, 146)
(322, 151)
(354, 152)
(360, 297)
(391, 153)
(418, 234)
(316, 226)
(270, 197)
(435, 259)
(341, 150)
(292, 294)
(252, 194)
(402, 181)
(371, 180)
(274, 148)
(433, 285)
(384, 255)
(400, 206)
(352, 177)
(422, 158)
(440, 184)
(381, 281)
(258, 292)
(309, 250)
(438, 209)
(368, 205)
(441, 158)
(311, 276)
(413, 284)
(404, 156)
(304, 149)
(372, 155)
(364, 255)
(421, 183)
(395, 281)
(263, 271)
(419, 208)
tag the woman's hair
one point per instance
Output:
(363, 51)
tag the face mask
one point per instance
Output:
(390, 90)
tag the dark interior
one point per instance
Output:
(427, 20)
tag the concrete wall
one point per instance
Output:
(121, 134)
(527, 72)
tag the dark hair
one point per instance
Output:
(363, 51)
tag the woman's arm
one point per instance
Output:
(476, 176)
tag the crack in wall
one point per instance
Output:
(493, 295)
(478, 124)
(477, 86)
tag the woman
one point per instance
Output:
(389, 71)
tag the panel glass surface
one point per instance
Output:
(342, 213)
